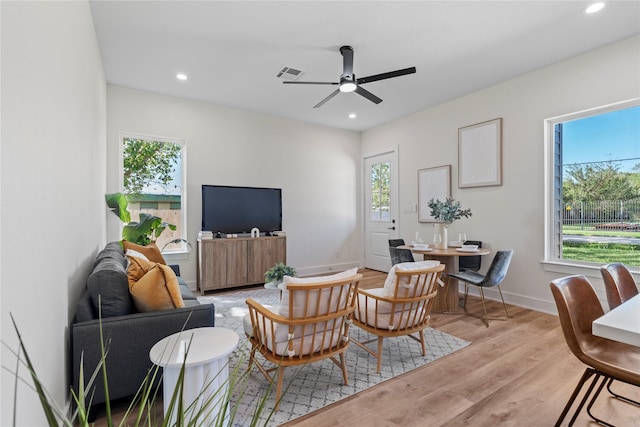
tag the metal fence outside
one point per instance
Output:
(619, 215)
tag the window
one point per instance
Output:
(380, 192)
(593, 186)
(153, 171)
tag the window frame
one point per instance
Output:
(552, 261)
(183, 178)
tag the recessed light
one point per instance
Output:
(352, 115)
(181, 76)
(595, 7)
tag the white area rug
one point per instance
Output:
(319, 384)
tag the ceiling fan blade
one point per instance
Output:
(331, 95)
(347, 60)
(310, 83)
(388, 75)
(371, 97)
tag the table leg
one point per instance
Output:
(201, 383)
(447, 298)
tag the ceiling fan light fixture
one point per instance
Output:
(594, 7)
(347, 86)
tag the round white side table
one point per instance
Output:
(206, 367)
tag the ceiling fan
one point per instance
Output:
(348, 81)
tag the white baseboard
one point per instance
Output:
(326, 269)
(492, 294)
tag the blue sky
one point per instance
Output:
(610, 136)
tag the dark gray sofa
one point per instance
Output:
(130, 334)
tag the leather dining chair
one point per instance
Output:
(618, 284)
(619, 287)
(495, 275)
(578, 306)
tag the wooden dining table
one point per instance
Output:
(447, 298)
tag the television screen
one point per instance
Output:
(231, 210)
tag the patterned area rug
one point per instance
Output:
(319, 384)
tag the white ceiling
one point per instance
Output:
(232, 50)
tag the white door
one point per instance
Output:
(380, 208)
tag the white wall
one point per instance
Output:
(53, 181)
(318, 169)
(511, 215)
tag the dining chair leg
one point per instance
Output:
(593, 399)
(503, 304)
(466, 294)
(586, 396)
(619, 396)
(484, 307)
(585, 376)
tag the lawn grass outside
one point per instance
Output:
(602, 252)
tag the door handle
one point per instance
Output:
(391, 228)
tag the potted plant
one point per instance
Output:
(277, 272)
(146, 230)
(445, 213)
(140, 411)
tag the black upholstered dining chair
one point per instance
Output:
(394, 243)
(495, 275)
(400, 255)
(472, 263)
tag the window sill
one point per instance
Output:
(176, 255)
(575, 267)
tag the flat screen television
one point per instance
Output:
(237, 210)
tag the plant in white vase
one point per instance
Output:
(446, 212)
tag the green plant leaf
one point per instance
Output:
(118, 203)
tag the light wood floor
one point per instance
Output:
(515, 373)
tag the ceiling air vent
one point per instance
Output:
(289, 74)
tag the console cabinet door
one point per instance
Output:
(236, 262)
(227, 263)
(213, 265)
(264, 254)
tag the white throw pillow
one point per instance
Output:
(390, 283)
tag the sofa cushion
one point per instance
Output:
(107, 284)
(187, 294)
(153, 286)
(151, 251)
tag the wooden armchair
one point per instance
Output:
(401, 307)
(311, 324)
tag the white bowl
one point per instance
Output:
(420, 246)
(470, 247)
